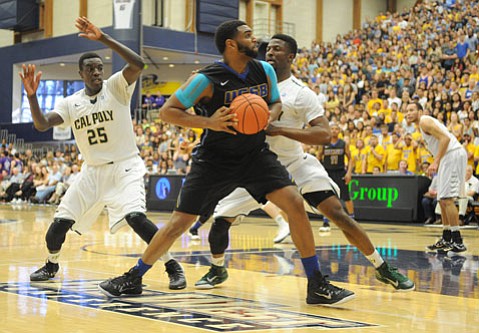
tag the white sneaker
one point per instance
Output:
(283, 233)
(325, 228)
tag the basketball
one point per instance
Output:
(252, 113)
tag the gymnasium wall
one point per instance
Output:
(303, 15)
(371, 8)
(337, 18)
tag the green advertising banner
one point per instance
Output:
(388, 197)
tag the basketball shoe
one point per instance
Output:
(322, 292)
(390, 275)
(283, 233)
(456, 248)
(193, 234)
(440, 245)
(216, 275)
(326, 227)
(45, 273)
(176, 275)
(126, 284)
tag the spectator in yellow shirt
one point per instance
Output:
(358, 155)
(374, 99)
(385, 108)
(393, 155)
(468, 144)
(374, 156)
(409, 151)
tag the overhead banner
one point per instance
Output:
(123, 12)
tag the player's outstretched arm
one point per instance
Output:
(31, 81)
(135, 62)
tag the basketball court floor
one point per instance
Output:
(265, 291)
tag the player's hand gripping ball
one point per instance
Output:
(252, 113)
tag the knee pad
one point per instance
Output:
(142, 226)
(219, 236)
(56, 234)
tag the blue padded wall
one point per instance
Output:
(211, 13)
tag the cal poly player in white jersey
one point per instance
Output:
(450, 161)
(300, 108)
(112, 174)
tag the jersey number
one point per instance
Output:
(334, 159)
(97, 135)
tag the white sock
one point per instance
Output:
(166, 257)
(375, 259)
(455, 228)
(53, 257)
(280, 221)
(218, 261)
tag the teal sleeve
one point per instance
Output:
(274, 81)
(189, 94)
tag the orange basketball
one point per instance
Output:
(252, 113)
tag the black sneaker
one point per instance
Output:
(456, 248)
(45, 273)
(126, 284)
(321, 292)
(215, 276)
(176, 275)
(390, 275)
(440, 245)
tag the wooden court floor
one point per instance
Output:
(265, 291)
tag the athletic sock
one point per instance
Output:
(53, 257)
(218, 261)
(280, 221)
(142, 267)
(456, 235)
(196, 226)
(311, 265)
(375, 259)
(447, 234)
(166, 257)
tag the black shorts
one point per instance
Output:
(208, 182)
(338, 177)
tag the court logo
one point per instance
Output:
(196, 310)
(163, 188)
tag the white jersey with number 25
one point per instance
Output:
(102, 127)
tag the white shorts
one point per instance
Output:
(119, 187)
(307, 172)
(451, 175)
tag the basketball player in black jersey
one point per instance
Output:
(332, 157)
(225, 160)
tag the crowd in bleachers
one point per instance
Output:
(26, 177)
(364, 80)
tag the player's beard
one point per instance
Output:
(247, 51)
